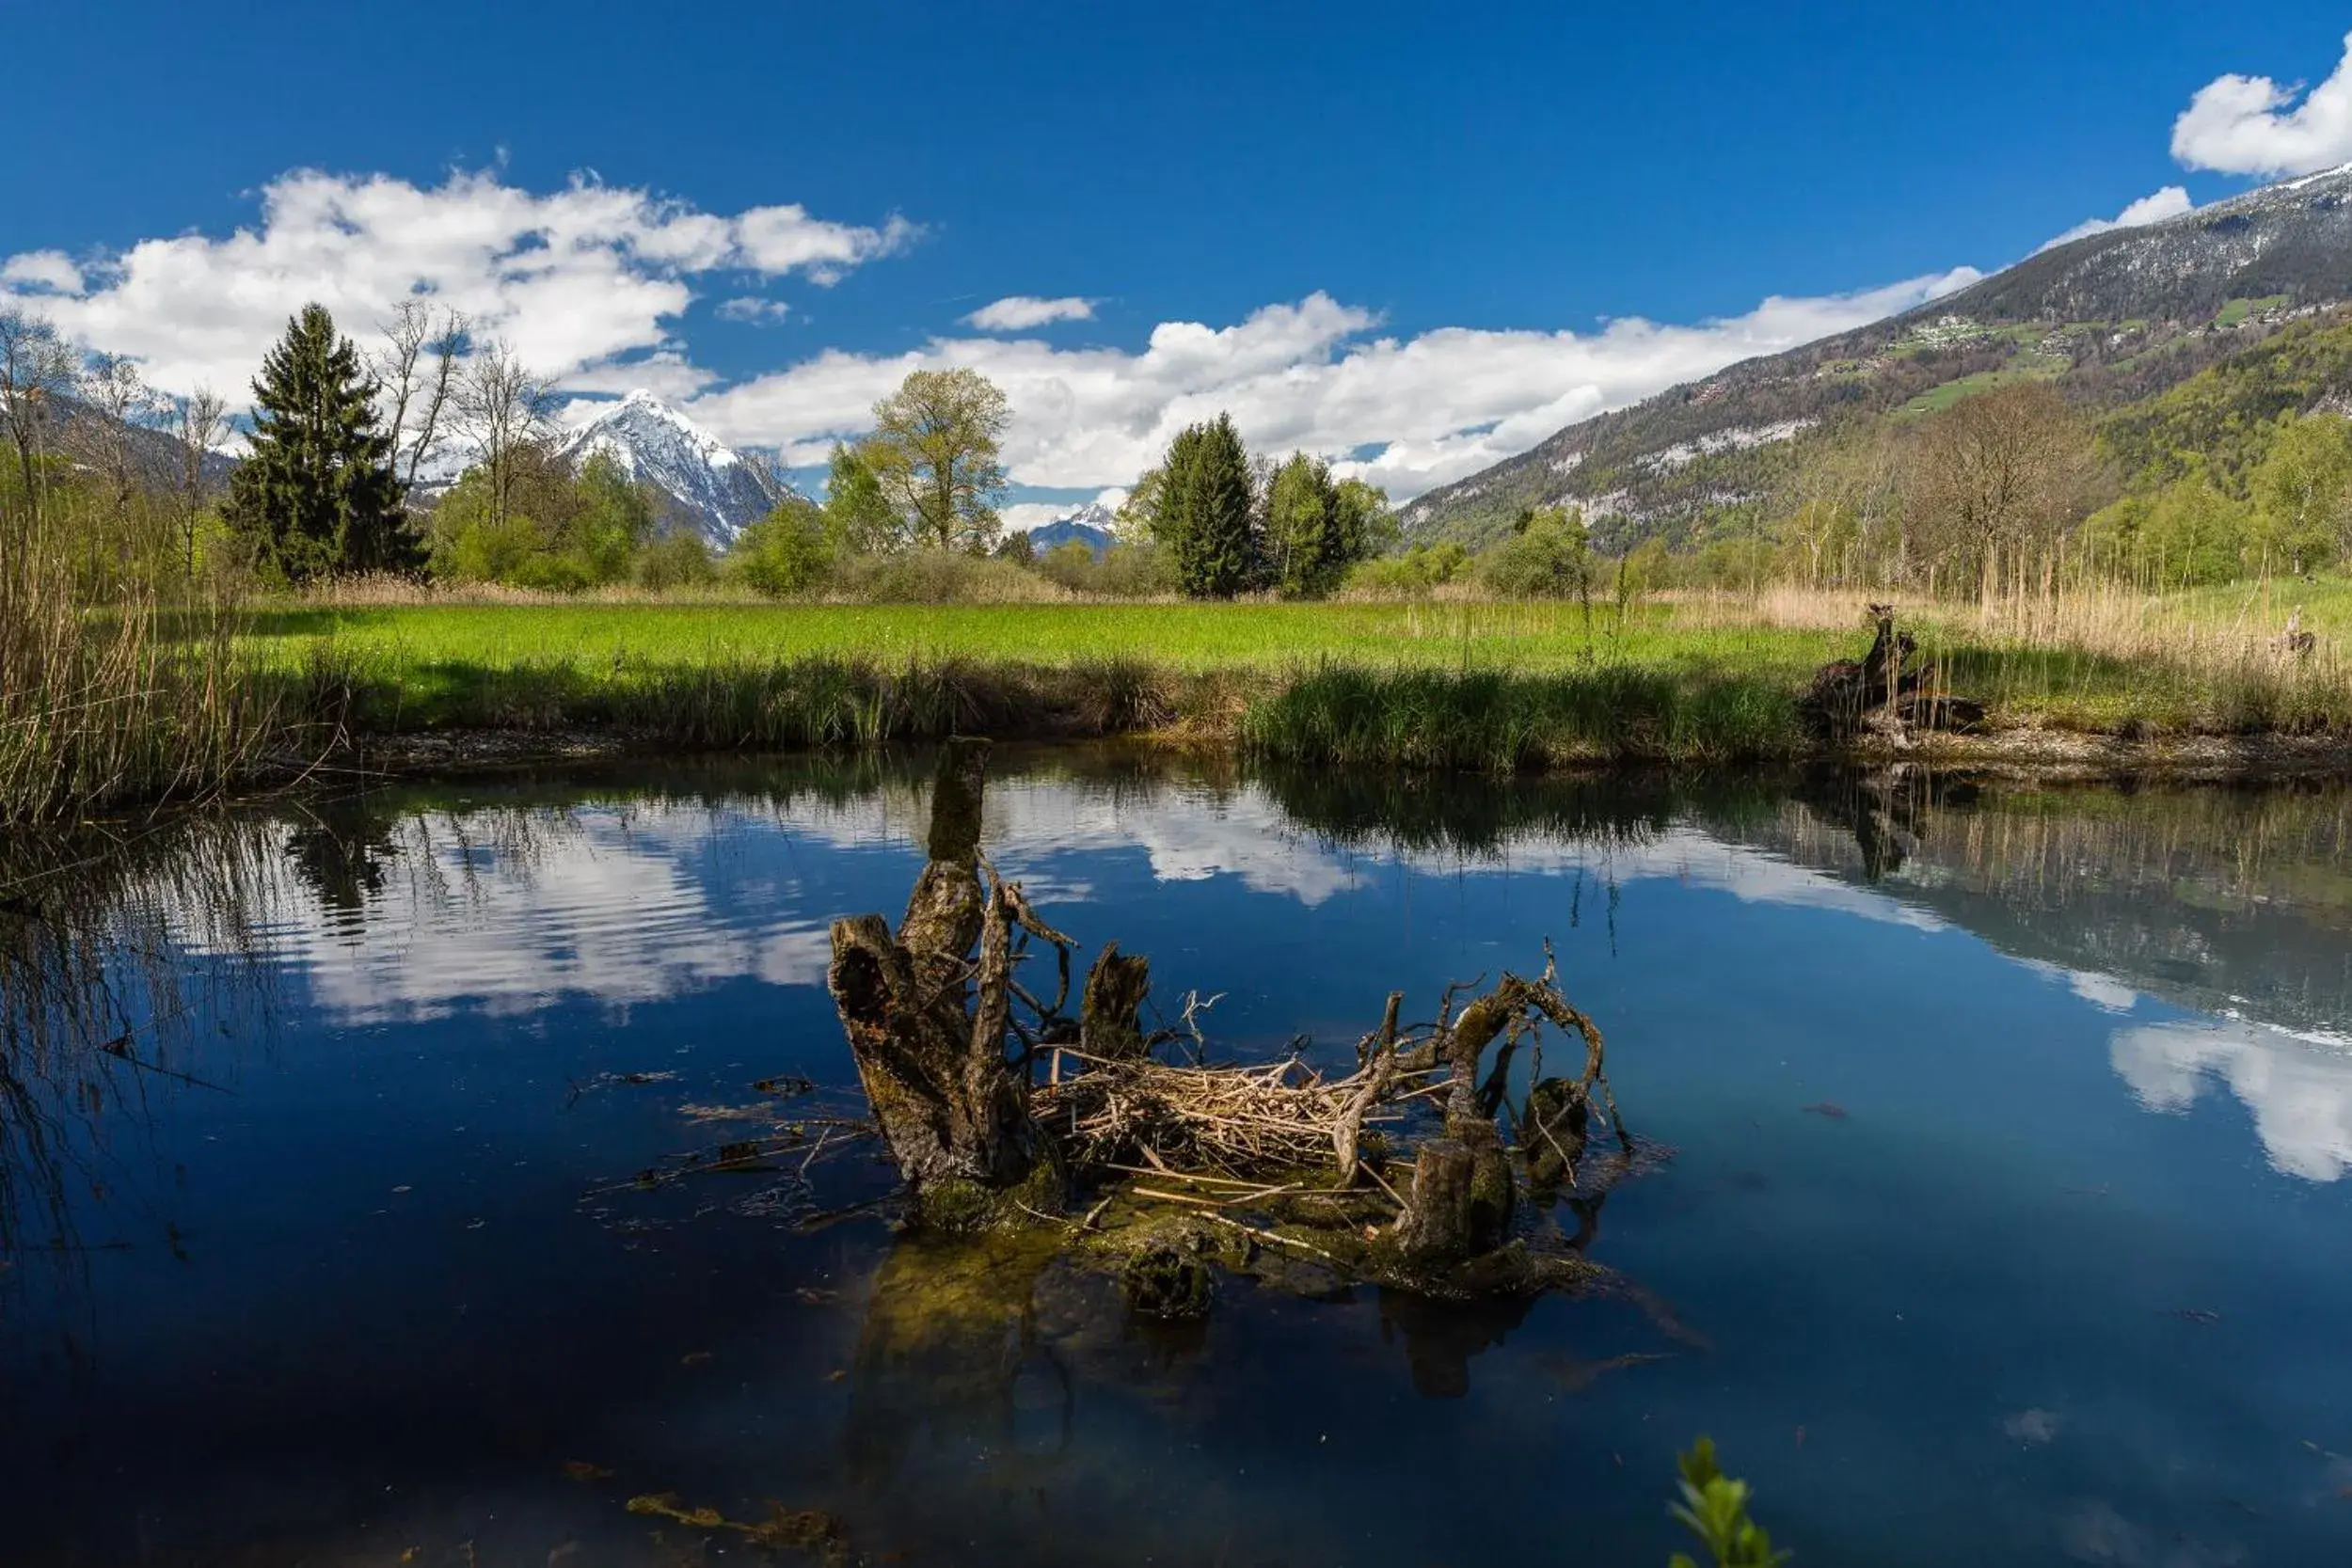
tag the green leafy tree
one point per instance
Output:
(1715, 1509)
(1132, 523)
(472, 543)
(678, 558)
(1203, 511)
(613, 519)
(2303, 492)
(1019, 548)
(2195, 534)
(858, 511)
(788, 551)
(2188, 533)
(1301, 524)
(316, 496)
(1549, 556)
(936, 452)
(1317, 528)
(1364, 523)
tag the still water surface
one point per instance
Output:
(2007, 1213)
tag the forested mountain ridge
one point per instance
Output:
(2112, 319)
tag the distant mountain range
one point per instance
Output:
(705, 484)
(2114, 318)
(1089, 526)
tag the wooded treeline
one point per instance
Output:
(434, 452)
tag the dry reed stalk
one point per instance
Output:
(1278, 1116)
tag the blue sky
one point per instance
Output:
(1398, 234)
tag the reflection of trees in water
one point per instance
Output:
(948, 1329)
(1470, 816)
(2216, 897)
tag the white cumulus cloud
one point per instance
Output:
(51, 270)
(590, 284)
(2169, 202)
(2254, 125)
(580, 280)
(1405, 412)
(750, 308)
(1021, 312)
(2297, 1083)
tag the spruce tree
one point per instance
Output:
(317, 494)
(1205, 515)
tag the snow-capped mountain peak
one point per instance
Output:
(710, 484)
(1093, 526)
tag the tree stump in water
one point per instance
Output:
(1110, 1011)
(948, 1071)
(1876, 696)
(954, 1111)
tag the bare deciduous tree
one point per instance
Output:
(1998, 476)
(118, 407)
(418, 367)
(504, 407)
(203, 419)
(36, 370)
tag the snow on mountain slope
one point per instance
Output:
(711, 487)
(1090, 525)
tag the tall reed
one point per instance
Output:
(125, 701)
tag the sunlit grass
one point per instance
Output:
(1460, 683)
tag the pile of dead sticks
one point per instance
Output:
(1237, 1121)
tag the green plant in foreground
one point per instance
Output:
(1715, 1506)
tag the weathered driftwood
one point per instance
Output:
(1879, 696)
(1274, 1156)
(1109, 1013)
(951, 1105)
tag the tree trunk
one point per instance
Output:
(1107, 1021)
(950, 1106)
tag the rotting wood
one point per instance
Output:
(951, 1107)
(1879, 697)
(954, 1074)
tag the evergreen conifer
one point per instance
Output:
(1205, 513)
(317, 494)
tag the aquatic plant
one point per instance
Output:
(1715, 1509)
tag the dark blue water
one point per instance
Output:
(2006, 1216)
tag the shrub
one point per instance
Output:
(787, 551)
(1547, 556)
(676, 559)
(935, 576)
(1416, 572)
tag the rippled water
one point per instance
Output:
(2005, 1219)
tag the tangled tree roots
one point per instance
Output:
(994, 1103)
(1877, 697)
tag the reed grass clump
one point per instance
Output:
(129, 702)
(1500, 721)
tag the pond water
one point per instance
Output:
(2006, 1217)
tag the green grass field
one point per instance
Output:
(1443, 683)
(1190, 637)
(2024, 367)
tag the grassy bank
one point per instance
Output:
(1489, 685)
(130, 705)
(139, 703)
